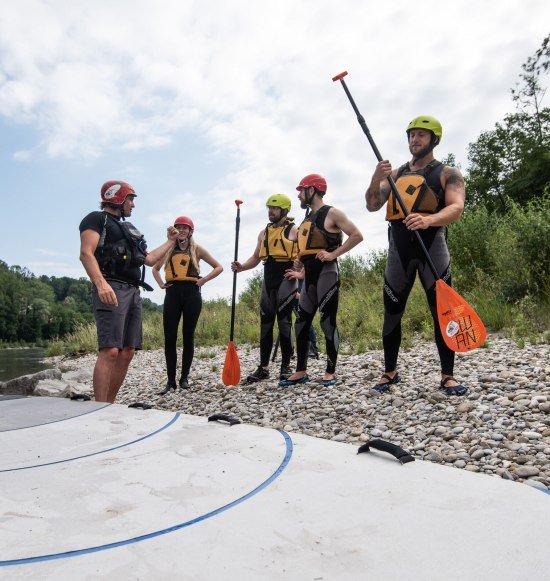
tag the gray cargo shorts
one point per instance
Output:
(119, 326)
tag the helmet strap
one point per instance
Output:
(310, 199)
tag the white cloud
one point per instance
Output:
(21, 155)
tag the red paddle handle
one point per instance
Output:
(340, 76)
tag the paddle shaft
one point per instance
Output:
(233, 296)
(391, 181)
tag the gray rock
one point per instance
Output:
(25, 384)
(527, 471)
(532, 435)
(51, 388)
(535, 484)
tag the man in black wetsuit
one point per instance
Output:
(277, 249)
(434, 194)
(114, 254)
(320, 243)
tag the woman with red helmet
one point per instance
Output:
(183, 299)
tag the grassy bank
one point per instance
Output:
(360, 315)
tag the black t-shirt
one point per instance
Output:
(96, 221)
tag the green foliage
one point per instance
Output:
(36, 309)
(512, 162)
(250, 296)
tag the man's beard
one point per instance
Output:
(304, 205)
(423, 152)
(276, 218)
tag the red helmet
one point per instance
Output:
(115, 192)
(185, 221)
(315, 180)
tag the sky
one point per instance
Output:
(199, 103)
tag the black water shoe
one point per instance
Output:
(170, 384)
(454, 389)
(383, 387)
(286, 372)
(258, 375)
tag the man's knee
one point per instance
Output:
(126, 355)
(109, 355)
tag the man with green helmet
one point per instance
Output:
(277, 249)
(434, 195)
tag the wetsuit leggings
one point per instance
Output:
(320, 291)
(276, 302)
(182, 301)
(405, 259)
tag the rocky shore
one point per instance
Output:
(501, 428)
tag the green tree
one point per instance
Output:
(512, 161)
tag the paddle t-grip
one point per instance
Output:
(340, 76)
(238, 202)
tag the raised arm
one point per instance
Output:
(158, 253)
(379, 189)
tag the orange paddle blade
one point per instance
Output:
(460, 325)
(231, 374)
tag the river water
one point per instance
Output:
(17, 362)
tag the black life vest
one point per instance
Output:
(276, 244)
(420, 190)
(115, 258)
(313, 237)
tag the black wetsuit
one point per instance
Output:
(405, 260)
(276, 302)
(320, 291)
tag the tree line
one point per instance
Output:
(39, 309)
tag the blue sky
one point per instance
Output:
(199, 103)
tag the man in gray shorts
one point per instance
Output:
(114, 254)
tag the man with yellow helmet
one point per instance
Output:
(434, 194)
(277, 249)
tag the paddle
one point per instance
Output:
(460, 325)
(231, 374)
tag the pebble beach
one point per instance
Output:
(500, 428)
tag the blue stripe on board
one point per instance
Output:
(259, 488)
(61, 420)
(95, 453)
